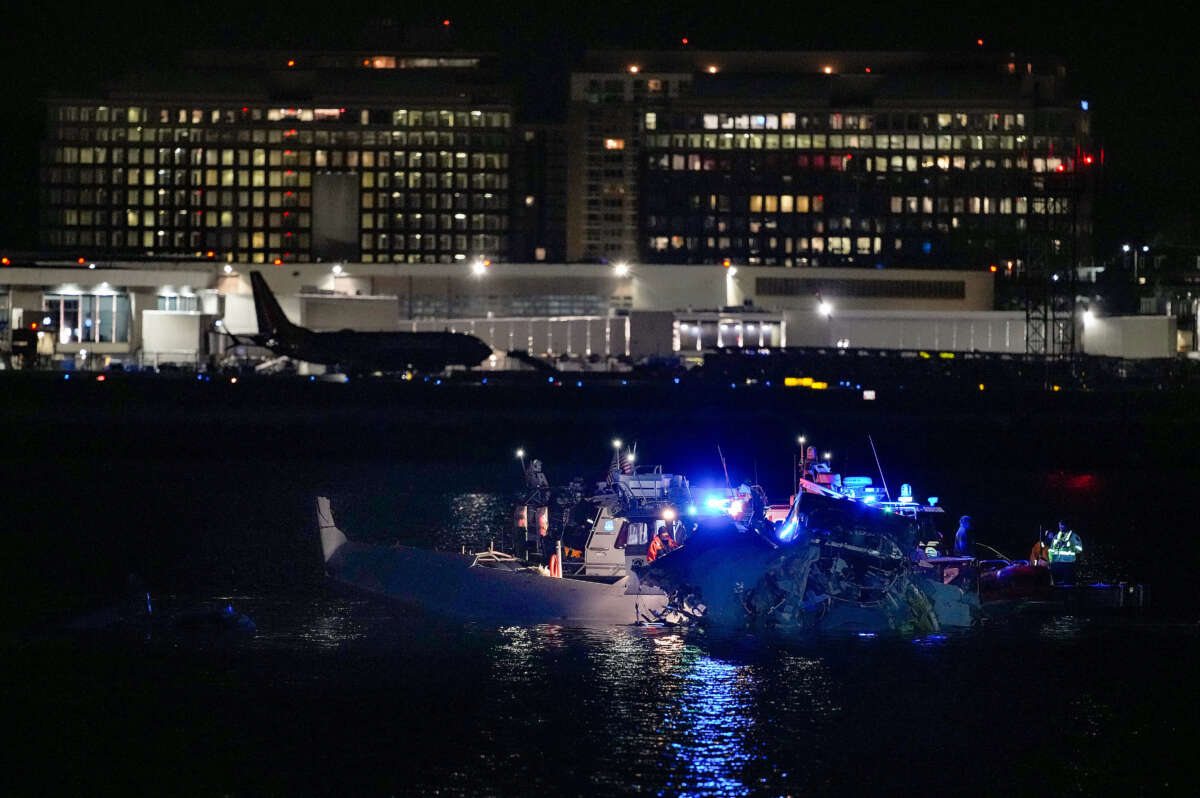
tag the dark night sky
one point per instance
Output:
(1137, 68)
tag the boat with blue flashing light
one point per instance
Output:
(845, 556)
(839, 557)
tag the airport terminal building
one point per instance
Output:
(154, 313)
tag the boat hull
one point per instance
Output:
(449, 584)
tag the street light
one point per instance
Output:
(479, 268)
(801, 440)
(828, 456)
(825, 309)
(616, 443)
(621, 269)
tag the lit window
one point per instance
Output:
(614, 144)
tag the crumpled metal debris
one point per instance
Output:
(837, 565)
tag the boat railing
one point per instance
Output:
(492, 556)
(595, 569)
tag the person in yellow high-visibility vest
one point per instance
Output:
(1065, 549)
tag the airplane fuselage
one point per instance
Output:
(382, 351)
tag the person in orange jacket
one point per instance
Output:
(661, 544)
(1040, 554)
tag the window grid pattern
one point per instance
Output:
(236, 183)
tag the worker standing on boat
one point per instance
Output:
(661, 544)
(1065, 548)
(1040, 554)
(962, 538)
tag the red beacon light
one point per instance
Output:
(5, 261)
(1060, 168)
(445, 23)
(979, 42)
(1088, 159)
(80, 261)
(291, 62)
(992, 268)
(684, 40)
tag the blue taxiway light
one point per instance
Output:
(312, 378)
(578, 383)
(549, 379)
(483, 381)
(676, 380)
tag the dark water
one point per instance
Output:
(339, 694)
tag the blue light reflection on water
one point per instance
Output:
(709, 725)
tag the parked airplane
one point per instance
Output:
(360, 351)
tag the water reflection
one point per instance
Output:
(709, 726)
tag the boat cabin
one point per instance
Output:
(621, 538)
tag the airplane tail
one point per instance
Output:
(272, 321)
(332, 538)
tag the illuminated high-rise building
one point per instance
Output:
(806, 159)
(272, 157)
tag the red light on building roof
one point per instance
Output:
(979, 42)
(683, 40)
(287, 213)
(1060, 168)
(445, 23)
(849, 156)
(288, 234)
(1088, 159)
(868, 69)
(287, 193)
(291, 62)
(245, 110)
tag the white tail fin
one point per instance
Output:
(332, 538)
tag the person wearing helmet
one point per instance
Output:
(661, 544)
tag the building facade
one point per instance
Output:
(286, 157)
(817, 159)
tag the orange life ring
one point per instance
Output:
(555, 567)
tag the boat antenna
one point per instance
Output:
(882, 478)
(723, 468)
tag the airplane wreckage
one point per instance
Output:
(641, 548)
